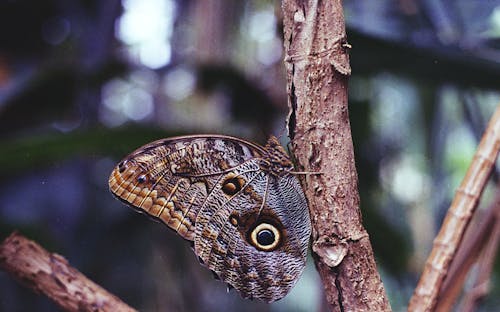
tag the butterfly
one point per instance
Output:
(239, 204)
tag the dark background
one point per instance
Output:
(83, 83)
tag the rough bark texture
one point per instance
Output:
(318, 69)
(50, 274)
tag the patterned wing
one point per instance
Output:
(249, 222)
(258, 241)
(170, 179)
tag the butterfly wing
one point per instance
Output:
(170, 179)
(258, 242)
(249, 226)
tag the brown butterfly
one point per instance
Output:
(238, 202)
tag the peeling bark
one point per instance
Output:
(318, 69)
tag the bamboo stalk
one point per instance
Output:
(475, 241)
(456, 220)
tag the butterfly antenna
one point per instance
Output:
(306, 172)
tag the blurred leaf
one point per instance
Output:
(37, 151)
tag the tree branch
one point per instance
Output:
(318, 68)
(50, 274)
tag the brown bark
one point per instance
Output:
(50, 274)
(318, 68)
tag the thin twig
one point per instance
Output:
(50, 274)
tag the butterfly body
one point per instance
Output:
(238, 202)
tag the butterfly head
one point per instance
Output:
(276, 159)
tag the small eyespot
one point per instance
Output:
(232, 185)
(142, 178)
(234, 220)
(265, 237)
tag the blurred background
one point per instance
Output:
(83, 83)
